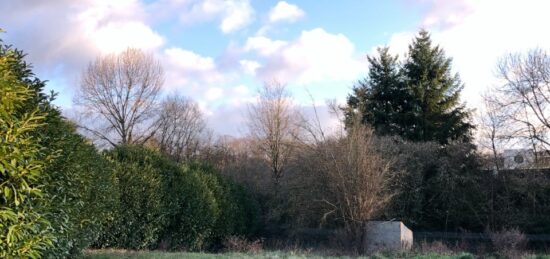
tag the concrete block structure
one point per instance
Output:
(388, 235)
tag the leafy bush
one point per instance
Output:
(140, 216)
(79, 188)
(210, 209)
(24, 232)
(238, 211)
(165, 205)
(194, 213)
(75, 181)
(438, 187)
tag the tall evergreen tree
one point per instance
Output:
(380, 100)
(419, 101)
(437, 113)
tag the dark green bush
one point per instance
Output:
(238, 211)
(73, 180)
(165, 205)
(80, 189)
(194, 211)
(24, 233)
(140, 215)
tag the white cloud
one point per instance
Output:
(284, 11)
(475, 34)
(398, 43)
(186, 68)
(263, 45)
(62, 36)
(315, 56)
(232, 14)
(117, 36)
(112, 26)
(447, 13)
(189, 60)
(249, 66)
(240, 90)
(214, 93)
(238, 14)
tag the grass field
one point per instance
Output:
(108, 254)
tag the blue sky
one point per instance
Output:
(218, 52)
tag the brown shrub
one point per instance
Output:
(242, 245)
(436, 247)
(509, 243)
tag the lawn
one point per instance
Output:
(108, 254)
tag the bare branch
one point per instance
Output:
(121, 91)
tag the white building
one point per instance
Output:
(524, 159)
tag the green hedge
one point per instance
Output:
(59, 187)
(170, 206)
(80, 189)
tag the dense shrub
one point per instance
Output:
(238, 211)
(195, 210)
(80, 189)
(74, 181)
(140, 215)
(24, 232)
(210, 208)
(438, 187)
(166, 205)
(59, 164)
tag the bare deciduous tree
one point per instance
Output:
(525, 95)
(182, 128)
(357, 176)
(495, 131)
(273, 124)
(120, 92)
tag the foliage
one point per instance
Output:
(24, 232)
(341, 182)
(81, 189)
(418, 101)
(210, 209)
(437, 113)
(165, 205)
(140, 217)
(438, 188)
(381, 98)
(75, 183)
(238, 211)
(195, 215)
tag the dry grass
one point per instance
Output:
(509, 243)
(242, 245)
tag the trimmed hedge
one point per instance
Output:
(170, 206)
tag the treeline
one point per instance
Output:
(60, 195)
(405, 151)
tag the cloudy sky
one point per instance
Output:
(218, 52)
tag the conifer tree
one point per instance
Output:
(437, 113)
(419, 100)
(380, 99)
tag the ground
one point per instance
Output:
(108, 254)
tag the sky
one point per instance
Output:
(219, 52)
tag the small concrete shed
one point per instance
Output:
(388, 235)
